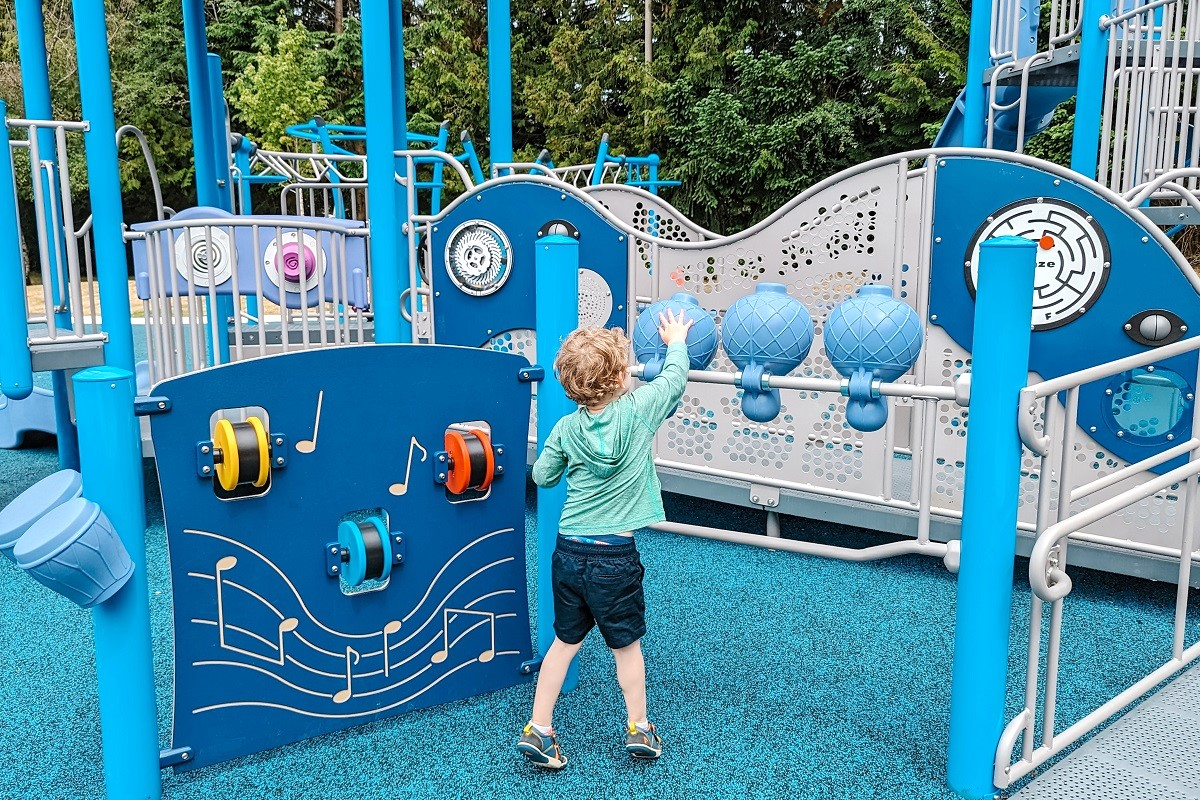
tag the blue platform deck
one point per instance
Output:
(771, 675)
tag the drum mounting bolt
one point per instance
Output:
(279, 461)
(279, 440)
(499, 451)
(204, 449)
(333, 550)
(206, 470)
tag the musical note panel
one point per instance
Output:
(268, 648)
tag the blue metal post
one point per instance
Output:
(601, 159)
(200, 106)
(978, 61)
(1089, 100)
(400, 142)
(219, 131)
(388, 250)
(443, 142)
(556, 276)
(104, 181)
(35, 86)
(222, 177)
(500, 81)
(16, 374)
(111, 457)
(1000, 353)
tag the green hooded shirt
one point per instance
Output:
(608, 457)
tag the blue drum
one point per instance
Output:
(74, 550)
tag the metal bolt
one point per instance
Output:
(499, 451)
(399, 540)
(562, 197)
(620, 308)
(162, 405)
(1108, 391)
(499, 470)
(184, 756)
(1120, 434)
(478, 197)
(206, 470)
(937, 240)
(1092, 429)
(279, 440)
(1145, 239)
(941, 163)
(1170, 437)
(753, 498)
(1150, 368)
(333, 550)
(1183, 328)
(489, 331)
(333, 569)
(1128, 327)
(279, 461)
(204, 449)
(437, 294)
(399, 557)
(620, 238)
(1190, 396)
(1057, 181)
(771, 502)
(441, 476)
(442, 458)
(933, 317)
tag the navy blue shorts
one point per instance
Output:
(598, 585)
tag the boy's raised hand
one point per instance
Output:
(673, 328)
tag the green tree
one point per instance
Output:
(282, 86)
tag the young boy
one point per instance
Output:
(605, 450)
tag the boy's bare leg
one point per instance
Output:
(550, 680)
(631, 674)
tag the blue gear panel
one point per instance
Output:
(271, 644)
(518, 210)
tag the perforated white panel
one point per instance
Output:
(823, 249)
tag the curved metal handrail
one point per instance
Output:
(130, 130)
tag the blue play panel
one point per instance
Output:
(771, 675)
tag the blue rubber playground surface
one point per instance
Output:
(770, 675)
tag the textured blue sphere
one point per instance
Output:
(873, 332)
(648, 346)
(770, 328)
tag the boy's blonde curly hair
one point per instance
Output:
(592, 364)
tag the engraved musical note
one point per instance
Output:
(285, 626)
(310, 445)
(484, 656)
(400, 488)
(223, 565)
(345, 694)
(388, 630)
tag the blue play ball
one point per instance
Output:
(701, 341)
(770, 328)
(873, 332)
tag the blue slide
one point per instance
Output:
(1041, 104)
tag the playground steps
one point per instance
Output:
(1061, 70)
(1152, 752)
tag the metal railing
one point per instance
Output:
(64, 250)
(1150, 105)
(185, 330)
(1058, 524)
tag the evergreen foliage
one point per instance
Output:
(748, 101)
